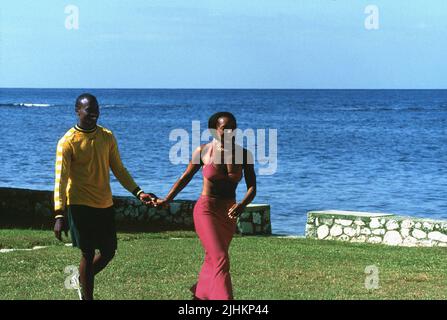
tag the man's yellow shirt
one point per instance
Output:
(83, 162)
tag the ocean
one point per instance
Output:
(365, 150)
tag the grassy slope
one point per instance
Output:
(156, 266)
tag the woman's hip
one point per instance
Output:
(211, 205)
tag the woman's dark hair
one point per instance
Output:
(212, 122)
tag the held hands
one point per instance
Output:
(236, 210)
(148, 199)
(151, 200)
(161, 203)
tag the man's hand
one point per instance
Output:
(148, 199)
(236, 210)
(60, 225)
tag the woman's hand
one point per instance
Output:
(236, 210)
(161, 203)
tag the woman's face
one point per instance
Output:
(225, 129)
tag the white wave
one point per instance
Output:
(32, 104)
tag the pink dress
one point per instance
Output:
(215, 230)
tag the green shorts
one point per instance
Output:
(92, 228)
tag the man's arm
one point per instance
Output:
(123, 175)
(62, 173)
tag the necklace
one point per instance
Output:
(219, 146)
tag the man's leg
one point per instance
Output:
(86, 274)
(106, 239)
(102, 259)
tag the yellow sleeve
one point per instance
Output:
(119, 170)
(63, 162)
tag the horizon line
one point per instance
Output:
(178, 88)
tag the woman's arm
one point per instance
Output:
(250, 181)
(193, 166)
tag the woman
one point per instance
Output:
(224, 163)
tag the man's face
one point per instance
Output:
(88, 113)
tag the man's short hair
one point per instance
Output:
(79, 101)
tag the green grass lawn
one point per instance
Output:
(165, 265)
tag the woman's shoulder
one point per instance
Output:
(199, 152)
(202, 148)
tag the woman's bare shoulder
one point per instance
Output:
(200, 152)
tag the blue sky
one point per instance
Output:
(223, 44)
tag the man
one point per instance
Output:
(82, 194)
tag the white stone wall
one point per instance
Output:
(375, 228)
